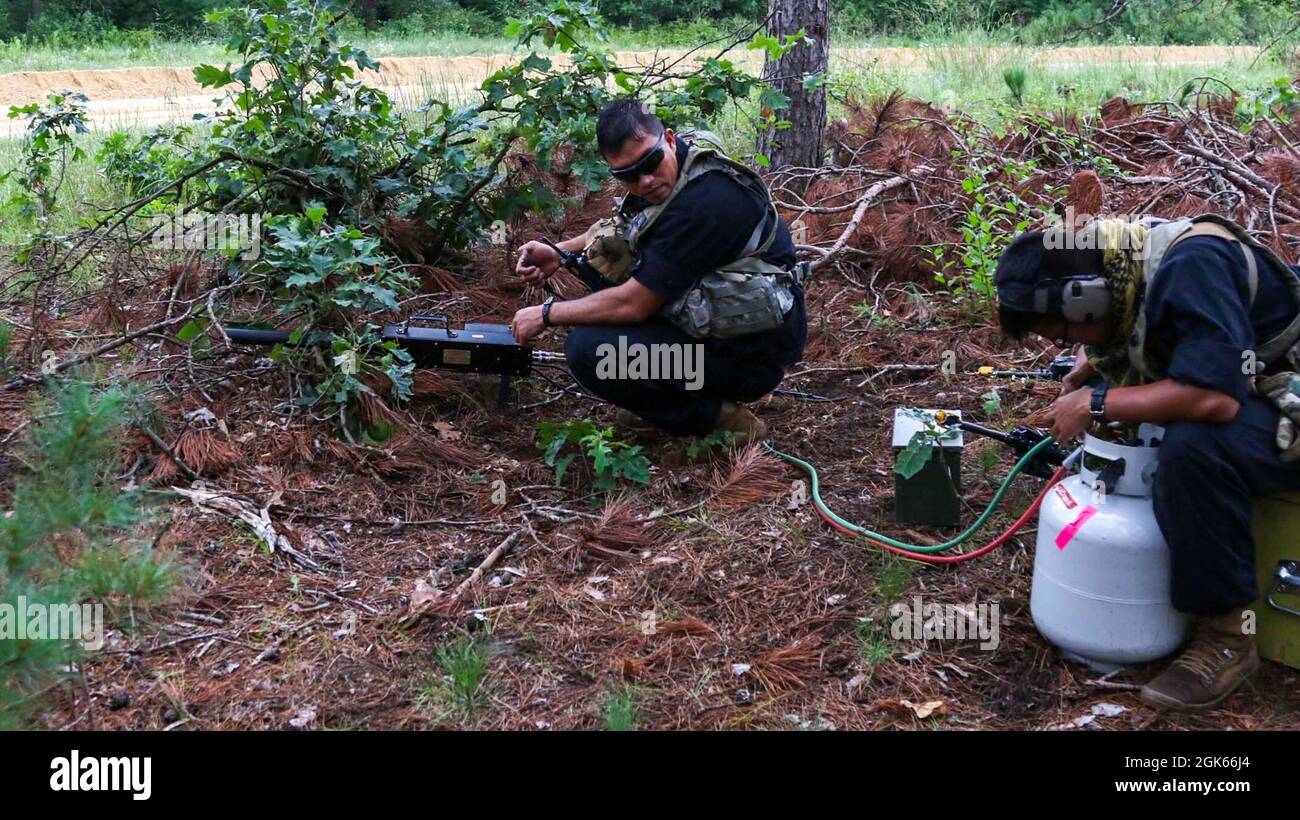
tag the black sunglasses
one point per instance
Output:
(646, 165)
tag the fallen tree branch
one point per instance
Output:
(1242, 176)
(185, 469)
(258, 520)
(430, 599)
(488, 562)
(31, 378)
(125, 213)
(909, 368)
(864, 202)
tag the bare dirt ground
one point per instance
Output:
(136, 97)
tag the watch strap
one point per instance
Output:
(1098, 405)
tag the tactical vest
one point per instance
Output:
(747, 295)
(1161, 238)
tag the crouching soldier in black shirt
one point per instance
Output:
(1195, 326)
(704, 308)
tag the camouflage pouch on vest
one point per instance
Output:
(609, 252)
(1283, 390)
(748, 296)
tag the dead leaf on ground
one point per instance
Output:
(305, 717)
(446, 431)
(425, 594)
(931, 708)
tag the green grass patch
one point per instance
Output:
(464, 662)
(973, 78)
(895, 577)
(620, 710)
(874, 644)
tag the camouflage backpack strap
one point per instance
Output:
(1162, 236)
(1284, 342)
(704, 138)
(643, 220)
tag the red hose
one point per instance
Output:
(966, 556)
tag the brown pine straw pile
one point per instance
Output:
(619, 529)
(791, 665)
(206, 451)
(1168, 159)
(752, 477)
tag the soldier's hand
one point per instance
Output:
(536, 262)
(1079, 375)
(1070, 415)
(527, 324)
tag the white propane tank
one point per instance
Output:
(1101, 565)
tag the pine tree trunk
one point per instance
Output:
(801, 143)
(370, 13)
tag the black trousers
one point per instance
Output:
(1207, 476)
(680, 403)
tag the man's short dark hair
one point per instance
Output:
(623, 119)
(1025, 263)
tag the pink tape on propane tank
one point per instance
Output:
(1066, 535)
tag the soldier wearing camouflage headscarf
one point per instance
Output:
(1193, 325)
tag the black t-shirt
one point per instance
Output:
(1198, 317)
(706, 226)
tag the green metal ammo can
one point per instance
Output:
(1276, 526)
(932, 497)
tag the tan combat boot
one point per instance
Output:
(1218, 660)
(744, 426)
(632, 423)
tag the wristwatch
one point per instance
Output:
(1098, 407)
(546, 311)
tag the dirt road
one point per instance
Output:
(125, 97)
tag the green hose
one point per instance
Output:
(988, 511)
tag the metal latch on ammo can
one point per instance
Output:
(1288, 583)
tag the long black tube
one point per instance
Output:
(979, 429)
(253, 336)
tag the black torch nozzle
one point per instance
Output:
(567, 258)
(1021, 439)
(578, 264)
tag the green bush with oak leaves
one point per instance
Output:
(329, 161)
(302, 137)
(610, 460)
